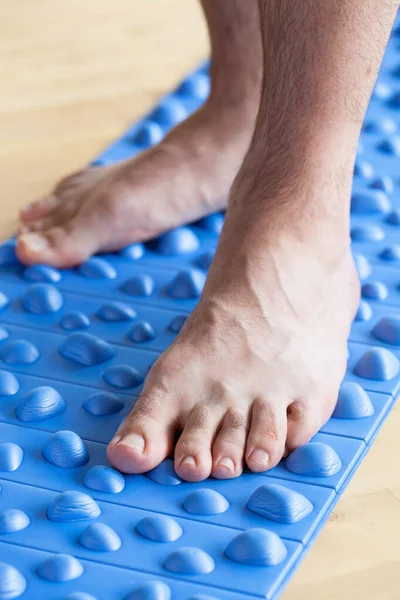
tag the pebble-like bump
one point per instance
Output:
(103, 403)
(382, 126)
(12, 582)
(86, 349)
(42, 299)
(388, 330)
(4, 301)
(11, 456)
(72, 506)
(148, 134)
(204, 260)
(375, 290)
(279, 503)
(79, 596)
(4, 334)
(213, 223)
(9, 384)
(151, 590)
(205, 502)
(97, 268)
(197, 86)
(100, 537)
(189, 561)
(379, 364)
(390, 146)
(65, 449)
(42, 273)
(392, 98)
(141, 285)
(363, 266)
(370, 202)
(116, 312)
(364, 312)
(391, 253)
(104, 479)
(384, 183)
(60, 568)
(353, 402)
(133, 251)
(123, 377)
(8, 255)
(19, 352)
(314, 459)
(394, 217)
(178, 241)
(363, 169)
(13, 520)
(159, 528)
(74, 321)
(187, 284)
(165, 473)
(177, 323)
(257, 547)
(141, 332)
(169, 112)
(39, 404)
(367, 233)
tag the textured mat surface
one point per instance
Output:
(75, 347)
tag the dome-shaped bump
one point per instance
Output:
(104, 479)
(60, 568)
(116, 312)
(9, 384)
(159, 528)
(314, 459)
(123, 376)
(86, 349)
(42, 299)
(205, 502)
(19, 352)
(141, 332)
(189, 561)
(13, 520)
(377, 363)
(187, 284)
(65, 449)
(74, 321)
(71, 506)
(41, 403)
(11, 456)
(257, 547)
(165, 473)
(279, 503)
(178, 241)
(353, 402)
(12, 582)
(100, 537)
(141, 285)
(151, 590)
(102, 404)
(43, 273)
(97, 268)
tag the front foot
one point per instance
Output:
(256, 369)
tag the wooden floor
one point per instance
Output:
(72, 76)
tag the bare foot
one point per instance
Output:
(257, 367)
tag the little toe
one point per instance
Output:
(40, 208)
(267, 435)
(144, 439)
(228, 447)
(193, 461)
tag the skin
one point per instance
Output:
(256, 369)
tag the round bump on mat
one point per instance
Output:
(123, 376)
(97, 268)
(133, 251)
(141, 332)
(72, 506)
(159, 528)
(104, 479)
(39, 404)
(213, 223)
(384, 183)
(100, 537)
(196, 86)
(59, 568)
(4, 334)
(178, 241)
(394, 217)
(169, 112)
(390, 146)
(13, 520)
(42, 273)
(116, 312)
(11, 456)
(42, 299)
(189, 561)
(257, 547)
(4, 301)
(74, 321)
(103, 403)
(148, 134)
(279, 503)
(353, 402)
(314, 459)
(65, 449)
(165, 473)
(363, 169)
(379, 364)
(177, 323)
(383, 126)
(391, 253)
(86, 349)
(12, 582)
(364, 312)
(370, 202)
(205, 502)
(363, 266)
(187, 284)
(375, 290)
(151, 590)
(9, 384)
(141, 285)
(367, 233)
(19, 352)
(204, 260)
(388, 330)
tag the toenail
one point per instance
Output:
(26, 207)
(188, 461)
(134, 441)
(115, 440)
(260, 457)
(34, 241)
(227, 463)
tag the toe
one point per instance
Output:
(39, 209)
(267, 435)
(193, 460)
(303, 421)
(228, 447)
(145, 438)
(59, 215)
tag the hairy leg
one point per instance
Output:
(258, 364)
(185, 177)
